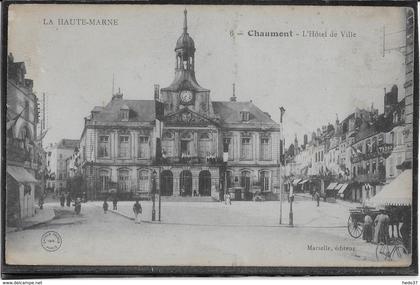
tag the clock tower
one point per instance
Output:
(185, 92)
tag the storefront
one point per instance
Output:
(20, 195)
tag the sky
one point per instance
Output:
(314, 79)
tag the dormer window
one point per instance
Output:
(244, 116)
(124, 113)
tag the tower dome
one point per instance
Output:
(185, 44)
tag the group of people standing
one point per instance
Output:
(378, 230)
(114, 204)
(137, 209)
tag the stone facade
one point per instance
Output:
(23, 153)
(179, 138)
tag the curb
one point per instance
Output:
(29, 226)
(121, 214)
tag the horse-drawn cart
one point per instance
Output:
(357, 218)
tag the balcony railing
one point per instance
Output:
(189, 160)
(370, 177)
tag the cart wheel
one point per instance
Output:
(355, 229)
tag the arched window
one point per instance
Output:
(204, 145)
(186, 144)
(265, 180)
(104, 180)
(229, 179)
(123, 180)
(168, 144)
(144, 181)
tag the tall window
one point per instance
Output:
(368, 146)
(381, 139)
(229, 142)
(265, 180)
(204, 145)
(26, 113)
(374, 167)
(374, 145)
(391, 166)
(144, 148)
(399, 138)
(246, 149)
(229, 179)
(103, 147)
(265, 148)
(168, 144)
(144, 185)
(104, 180)
(393, 141)
(124, 147)
(123, 180)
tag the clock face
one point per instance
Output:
(186, 96)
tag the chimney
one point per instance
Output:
(117, 95)
(305, 139)
(390, 100)
(156, 92)
(233, 98)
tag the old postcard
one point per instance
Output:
(205, 135)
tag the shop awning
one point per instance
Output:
(303, 181)
(396, 193)
(343, 188)
(338, 186)
(296, 181)
(331, 186)
(20, 174)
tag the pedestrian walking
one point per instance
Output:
(137, 212)
(41, 202)
(227, 199)
(367, 228)
(78, 206)
(381, 223)
(105, 206)
(114, 203)
(62, 199)
(68, 199)
(317, 197)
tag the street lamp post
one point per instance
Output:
(291, 198)
(160, 200)
(282, 110)
(225, 161)
(153, 195)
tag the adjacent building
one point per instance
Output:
(57, 155)
(354, 158)
(23, 153)
(178, 139)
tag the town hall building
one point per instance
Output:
(176, 142)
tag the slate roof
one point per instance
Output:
(140, 111)
(230, 112)
(144, 111)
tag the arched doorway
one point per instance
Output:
(204, 183)
(166, 183)
(185, 183)
(246, 184)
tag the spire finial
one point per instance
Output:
(113, 82)
(185, 21)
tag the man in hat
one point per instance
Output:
(381, 227)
